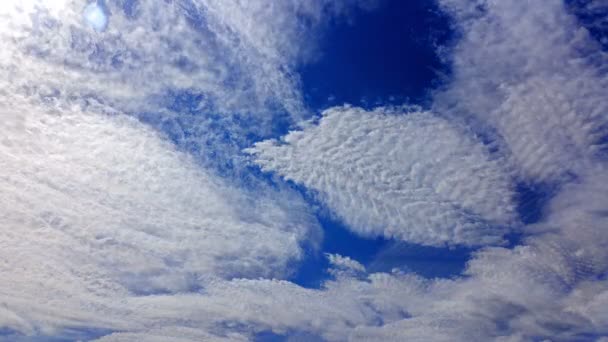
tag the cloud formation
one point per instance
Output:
(97, 207)
(411, 176)
(530, 77)
(551, 286)
(530, 80)
(154, 47)
(109, 229)
(184, 67)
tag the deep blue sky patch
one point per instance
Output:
(384, 56)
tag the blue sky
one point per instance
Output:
(385, 56)
(303, 170)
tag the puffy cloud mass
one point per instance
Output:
(115, 226)
(528, 79)
(96, 207)
(411, 176)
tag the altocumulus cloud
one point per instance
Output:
(106, 225)
(234, 60)
(534, 77)
(412, 177)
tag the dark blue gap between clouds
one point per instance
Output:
(387, 56)
(293, 336)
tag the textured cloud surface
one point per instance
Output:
(531, 81)
(149, 48)
(411, 176)
(533, 75)
(113, 225)
(552, 286)
(98, 206)
(98, 209)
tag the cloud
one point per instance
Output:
(540, 289)
(238, 55)
(98, 208)
(177, 334)
(529, 80)
(212, 75)
(251, 306)
(105, 225)
(344, 266)
(530, 77)
(411, 176)
(549, 287)
(153, 48)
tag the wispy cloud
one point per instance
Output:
(530, 81)
(105, 224)
(530, 77)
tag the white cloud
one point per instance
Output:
(549, 287)
(532, 75)
(237, 59)
(344, 266)
(104, 225)
(527, 76)
(97, 208)
(411, 176)
(176, 334)
(250, 306)
(240, 55)
(342, 262)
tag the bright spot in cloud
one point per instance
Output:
(96, 17)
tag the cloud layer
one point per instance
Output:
(531, 78)
(111, 229)
(410, 176)
(95, 207)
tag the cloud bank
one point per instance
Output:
(209, 74)
(529, 81)
(533, 79)
(97, 207)
(110, 230)
(411, 176)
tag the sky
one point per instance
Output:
(303, 170)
